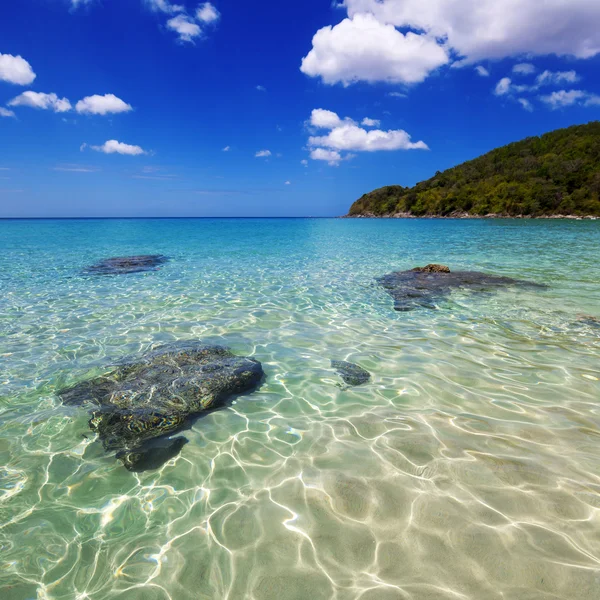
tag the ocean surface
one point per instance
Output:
(467, 468)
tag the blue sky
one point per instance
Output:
(126, 107)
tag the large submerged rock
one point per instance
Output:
(122, 265)
(425, 286)
(352, 374)
(156, 395)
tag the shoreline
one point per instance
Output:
(458, 215)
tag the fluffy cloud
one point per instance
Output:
(331, 156)
(482, 71)
(488, 29)
(185, 27)
(345, 135)
(41, 101)
(102, 105)
(365, 49)
(115, 147)
(15, 69)
(524, 69)
(4, 112)
(325, 119)
(370, 122)
(370, 44)
(564, 98)
(227, 149)
(207, 13)
(263, 154)
(353, 137)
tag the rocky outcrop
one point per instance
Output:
(432, 269)
(425, 286)
(157, 394)
(352, 374)
(123, 265)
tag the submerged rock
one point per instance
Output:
(589, 320)
(156, 395)
(122, 265)
(152, 455)
(351, 374)
(424, 286)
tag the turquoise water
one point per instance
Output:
(468, 468)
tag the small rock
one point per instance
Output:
(432, 269)
(122, 265)
(351, 374)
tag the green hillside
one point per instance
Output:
(555, 174)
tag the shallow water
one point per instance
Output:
(467, 468)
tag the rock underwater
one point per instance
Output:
(424, 286)
(122, 265)
(156, 396)
(352, 374)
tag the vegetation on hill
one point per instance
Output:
(555, 174)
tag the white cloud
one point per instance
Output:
(263, 154)
(261, 88)
(526, 104)
(288, 183)
(397, 95)
(345, 135)
(352, 137)
(165, 6)
(185, 27)
(564, 98)
(489, 29)
(115, 147)
(304, 163)
(102, 105)
(41, 101)
(227, 149)
(370, 122)
(482, 71)
(331, 156)
(503, 87)
(365, 49)
(15, 69)
(77, 3)
(4, 112)
(207, 13)
(524, 69)
(325, 119)
(550, 78)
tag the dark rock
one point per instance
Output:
(152, 455)
(432, 269)
(425, 286)
(156, 395)
(122, 265)
(351, 374)
(589, 320)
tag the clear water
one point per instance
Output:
(467, 469)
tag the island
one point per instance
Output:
(554, 175)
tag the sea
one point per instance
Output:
(466, 468)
